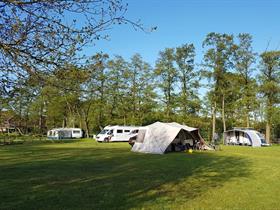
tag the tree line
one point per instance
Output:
(242, 90)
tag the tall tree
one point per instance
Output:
(244, 58)
(118, 90)
(141, 91)
(188, 100)
(270, 85)
(218, 60)
(96, 89)
(167, 76)
(63, 94)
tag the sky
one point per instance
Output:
(189, 21)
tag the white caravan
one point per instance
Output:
(117, 133)
(244, 136)
(65, 133)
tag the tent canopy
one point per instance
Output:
(157, 137)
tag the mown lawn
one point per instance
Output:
(88, 175)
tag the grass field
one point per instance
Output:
(88, 175)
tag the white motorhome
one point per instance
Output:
(65, 133)
(244, 136)
(117, 133)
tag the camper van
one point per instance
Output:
(65, 133)
(117, 133)
(244, 136)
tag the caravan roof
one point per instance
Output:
(120, 126)
(64, 129)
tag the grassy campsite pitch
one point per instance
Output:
(88, 175)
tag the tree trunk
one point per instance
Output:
(41, 124)
(214, 121)
(168, 103)
(64, 122)
(247, 121)
(247, 99)
(169, 97)
(134, 89)
(87, 128)
(41, 120)
(81, 124)
(184, 91)
(267, 132)
(268, 119)
(223, 113)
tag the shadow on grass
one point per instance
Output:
(110, 178)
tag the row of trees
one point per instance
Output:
(239, 91)
(243, 89)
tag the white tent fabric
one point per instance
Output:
(159, 136)
(236, 136)
(256, 142)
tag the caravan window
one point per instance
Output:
(76, 131)
(104, 131)
(126, 131)
(119, 131)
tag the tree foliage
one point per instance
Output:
(270, 86)
(40, 36)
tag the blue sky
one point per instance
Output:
(189, 21)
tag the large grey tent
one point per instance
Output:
(159, 137)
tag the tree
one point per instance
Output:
(184, 57)
(141, 97)
(244, 57)
(96, 90)
(233, 99)
(218, 60)
(62, 94)
(270, 88)
(35, 37)
(167, 76)
(135, 68)
(118, 90)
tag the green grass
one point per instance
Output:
(88, 175)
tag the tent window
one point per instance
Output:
(134, 131)
(141, 136)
